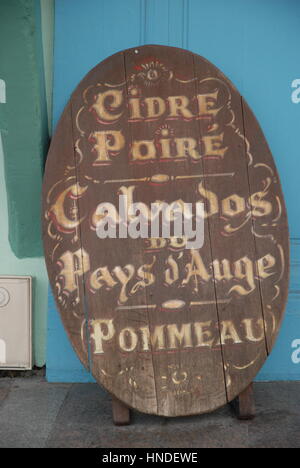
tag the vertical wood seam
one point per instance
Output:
(211, 256)
(142, 251)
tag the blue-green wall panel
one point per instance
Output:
(255, 43)
(86, 32)
(24, 118)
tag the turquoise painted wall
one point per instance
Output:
(23, 146)
(25, 118)
(255, 43)
(35, 267)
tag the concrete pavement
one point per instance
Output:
(35, 413)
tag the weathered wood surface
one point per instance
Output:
(244, 404)
(120, 413)
(166, 329)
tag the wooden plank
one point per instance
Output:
(230, 231)
(244, 404)
(110, 308)
(121, 413)
(184, 383)
(169, 329)
(61, 235)
(270, 230)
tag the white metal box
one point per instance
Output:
(15, 322)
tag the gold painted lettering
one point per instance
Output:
(155, 107)
(155, 340)
(243, 269)
(103, 330)
(214, 145)
(73, 266)
(207, 104)
(202, 333)
(124, 280)
(172, 273)
(57, 210)
(222, 270)
(107, 142)
(128, 339)
(186, 147)
(228, 332)
(233, 205)
(143, 150)
(135, 109)
(196, 269)
(115, 99)
(260, 207)
(264, 265)
(248, 323)
(102, 277)
(165, 148)
(147, 278)
(182, 336)
(178, 107)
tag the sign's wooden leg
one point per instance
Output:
(120, 412)
(244, 404)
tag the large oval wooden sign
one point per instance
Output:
(168, 329)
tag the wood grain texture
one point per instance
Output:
(61, 235)
(244, 404)
(120, 412)
(168, 330)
